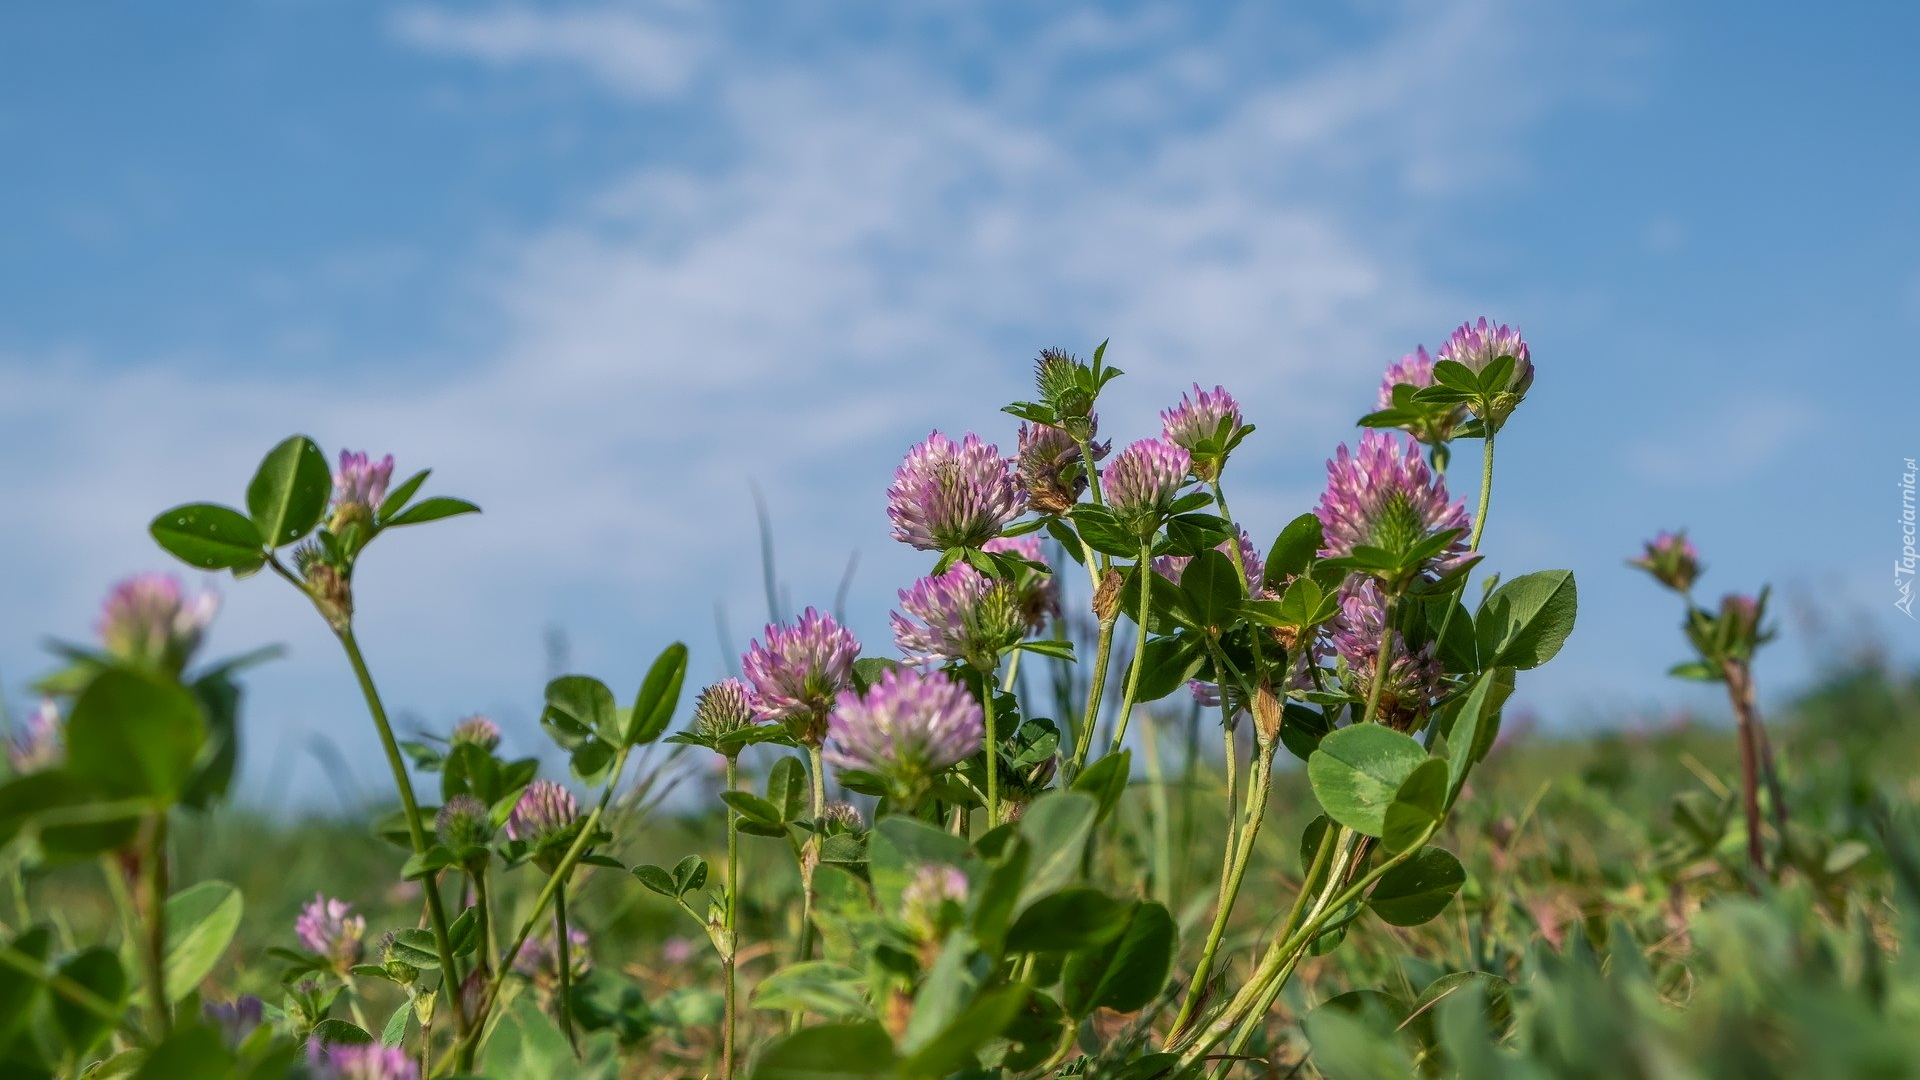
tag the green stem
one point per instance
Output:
(122, 900)
(156, 942)
(65, 987)
(1381, 660)
(462, 1057)
(1141, 571)
(564, 949)
(727, 962)
(1096, 689)
(1240, 566)
(1486, 491)
(992, 748)
(1233, 872)
(416, 829)
(489, 933)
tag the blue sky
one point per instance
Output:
(604, 265)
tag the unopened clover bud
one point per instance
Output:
(1740, 630)
(1671, 559)
(36, 744)
(1050, 470)
(236, 1019)
(1057, 375)
(330, 589)
(463, 822)
(401, 971)
(476, 731)
(722, 709)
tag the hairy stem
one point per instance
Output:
(155, 951)
(1233, 871)
(1486, 491)
(732, 915)
(1096, 689)
(468, 1041)
(416, 828)
(564, 950)
(1740, 690)
(1141, 571)
(992, 748)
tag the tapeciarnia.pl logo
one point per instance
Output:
(1903, 567)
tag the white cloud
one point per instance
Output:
(878, 254)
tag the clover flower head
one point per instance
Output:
(960, 614)
(1205, 424)
(908, 726)
(149, 620)
(371, 1061)
(1477, 344)
(1413, 681)
(676, 950)
(1174, 567)
(477, 731)
(545, 812)
(37, 743)
(1383, 495)
(361, 481)
(1144, 479)
(847, 816)
(933, 900)
(1672, 560)
(1048, 463)
(236, 1019)
(1416, 369)
(328, 927)
(463, 822)
(948, 494)
(539, 958)
(723, 708)
(795, 672)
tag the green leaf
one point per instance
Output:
(659, 696)
(953, 1048)
(899, 846)
(289, 491)
(1059, 650)
(191, 1053)
(816, 986)
(1213, 588)
(97, 969)
(1293, 549)
(656, 879)
(1106, 780)
(201, 922)
(1128, 974)
(1357, 771)
(430, 510)
(395, 1032)
(1417, 808)
(1526, 621)
(135, 735)
(861, 1051)
(1418, 889)
(1102, 532)
(754, 808)
(787, 788)
(1056, 825)
(1072, 918)
(689, 874)
(210, 537)
(336, 1032)
(1475, 725)
(398, 497)
(993, 902)
(1167, 665)
(579, 707)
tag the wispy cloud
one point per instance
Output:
(875, 249)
